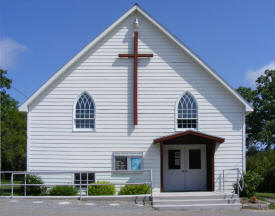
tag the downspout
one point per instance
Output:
(243, 145)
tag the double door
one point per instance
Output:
(184, 167)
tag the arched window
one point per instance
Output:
(187, 116)
(84, 112)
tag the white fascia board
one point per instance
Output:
(248, 107)
(24, 106)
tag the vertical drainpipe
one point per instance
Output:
(28, 140)
(243, 144)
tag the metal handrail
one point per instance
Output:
(25, 173)
(241, 187)
(75, 171)
(240, 178)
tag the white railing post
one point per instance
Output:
(87, 185)
(151, 184)
(223, 181)
(25, 187)
(80, 191)
(12, 184)
(242, 186)
(238, 182)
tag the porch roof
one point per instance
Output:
(189, 137)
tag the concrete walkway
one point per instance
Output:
(50, 207)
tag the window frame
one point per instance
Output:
(180, 158)
(83, 180)
(75, 129)
(129, 156)
(176, 113)
(190, 162)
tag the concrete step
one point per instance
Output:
(194, 197)
(195, 201)
(235, 206)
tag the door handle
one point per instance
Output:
(183, 171)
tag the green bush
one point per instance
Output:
(63, 191)
(268, 184)
(101, 189)
(251, 182)
(34, 190)
(263, 163)
(134, 189)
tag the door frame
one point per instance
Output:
(210, 151)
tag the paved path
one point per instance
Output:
(32, 207)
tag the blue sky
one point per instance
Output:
(236, 38)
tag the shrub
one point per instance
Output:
(268, 184)
(34, 190)
(251, 182)
(63, 191)
(134, 189)
(101, 189)
(263, 163)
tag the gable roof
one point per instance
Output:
(24, 106)
(205, 136)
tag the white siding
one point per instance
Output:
(53, 145)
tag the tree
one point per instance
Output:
(13, 129)
(260, 124)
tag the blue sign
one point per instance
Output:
(135, 163)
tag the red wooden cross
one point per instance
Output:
(135, 56)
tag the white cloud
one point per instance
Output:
(252, 75)
(9, 50)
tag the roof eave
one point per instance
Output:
(196, 58)
(214, 139)
(24, 106)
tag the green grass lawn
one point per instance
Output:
(6, 190)
(265, 195)
(272, 206)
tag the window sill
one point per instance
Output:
(127, 171)
(186, 129)
(83, 130)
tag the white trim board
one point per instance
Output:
(135, 8)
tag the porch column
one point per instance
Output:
(210, 153)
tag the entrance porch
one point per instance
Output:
(187, 161)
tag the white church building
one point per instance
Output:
(137, 98)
